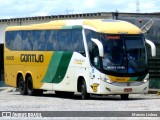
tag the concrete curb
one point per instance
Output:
(7, 89)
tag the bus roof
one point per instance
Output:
(104, 26)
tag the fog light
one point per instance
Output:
(109, 81)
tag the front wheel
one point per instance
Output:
(84, 93)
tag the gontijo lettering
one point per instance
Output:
(31, 58)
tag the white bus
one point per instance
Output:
(103, 57)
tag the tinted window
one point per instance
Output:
(77, 41)
(27, 40)
(90, 34)
(51, 40)
(41, 37)
(9, 40)
(92, 47)
(14, 40)
(63, 40)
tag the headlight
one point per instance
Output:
(145, 80)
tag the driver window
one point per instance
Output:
(93, 48)
(95, 59)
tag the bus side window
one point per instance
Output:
(69, 41)
(9, 40)
(17, 42)
(77, 40)
(27, 43)
(95, 56)
(55, 40)
(88, 34)
(92, 47)
(35, 40)
(65, 40)
(49, 40)
(41, 40)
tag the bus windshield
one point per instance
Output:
(124, 54)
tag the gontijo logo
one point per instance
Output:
(79, 61)
(31, 58)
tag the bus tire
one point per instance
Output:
(22, 86)
(30, 90)
(124, 96)
(84, 93)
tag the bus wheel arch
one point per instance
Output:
(17, 80)
(30, 86)
(82, 87)
(79, 83)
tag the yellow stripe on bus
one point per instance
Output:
(119, 79)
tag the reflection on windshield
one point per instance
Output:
(135, 48)
(124, 54)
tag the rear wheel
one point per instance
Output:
(124, 96)
(22, 86)
(84, 93)
(30, 89)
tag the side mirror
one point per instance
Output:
(153, 47)
(100, 47)
(147, 26)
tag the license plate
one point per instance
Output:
(128, 90)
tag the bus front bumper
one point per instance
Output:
(109, 88)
